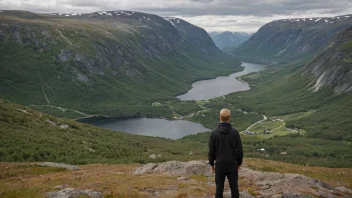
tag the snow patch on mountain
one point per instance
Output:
(169, 19)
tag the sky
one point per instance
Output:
(212, 15)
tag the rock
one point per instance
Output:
(197, 168)
(227, 194)
(64, 55)
(146, 169)
(82, 77)
(182, 178)
(73, 193)
(175, 168)
(64, 126)
(296, 196)
(51, 122)
(266, 184)
(60, 187)
(152, 156)
(245, 194)
(288, 184)
(171, 168)
(344, 190)
(59, 165)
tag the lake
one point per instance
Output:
(174, 129)
(220, 86)
(202, 90)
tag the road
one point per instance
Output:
(260, 121)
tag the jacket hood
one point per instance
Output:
(224, 127)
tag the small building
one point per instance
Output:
(283, 153)
(267, 131)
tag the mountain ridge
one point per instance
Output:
(286, 40)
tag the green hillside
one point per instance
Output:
(103, 62)
(28, 135)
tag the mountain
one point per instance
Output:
(113, 62)
(290, 39)
(333, 67)
(228, 41)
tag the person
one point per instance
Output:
(225, 148)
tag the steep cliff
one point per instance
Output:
(333, 67)
(103, 59)
(289, 39)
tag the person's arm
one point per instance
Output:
(239, 149)
(211, 153)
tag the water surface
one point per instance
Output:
(220, 86)
(174, 129)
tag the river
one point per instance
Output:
(220, 86)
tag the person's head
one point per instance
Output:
(225, 115)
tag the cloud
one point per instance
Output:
(213, 15)
(203, 1)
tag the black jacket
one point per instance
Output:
(225, 146)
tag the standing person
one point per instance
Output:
(225, 147)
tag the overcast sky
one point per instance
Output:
(213, 15)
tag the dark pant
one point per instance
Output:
(221, 172)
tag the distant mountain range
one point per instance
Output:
(228, 41)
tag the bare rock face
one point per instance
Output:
(287, 185)
(59, 165)
(332, 68)
(175, 168)
(265, 184)
(73, 193)
(146, 169)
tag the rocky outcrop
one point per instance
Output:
(288, 185)
(73, 193)
(175, 168)
(265, 184)
(289, 39)
(59, 165)
(333, 67)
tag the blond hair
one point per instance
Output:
(225, 115)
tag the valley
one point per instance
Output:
(118, 69)
(126, 88)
